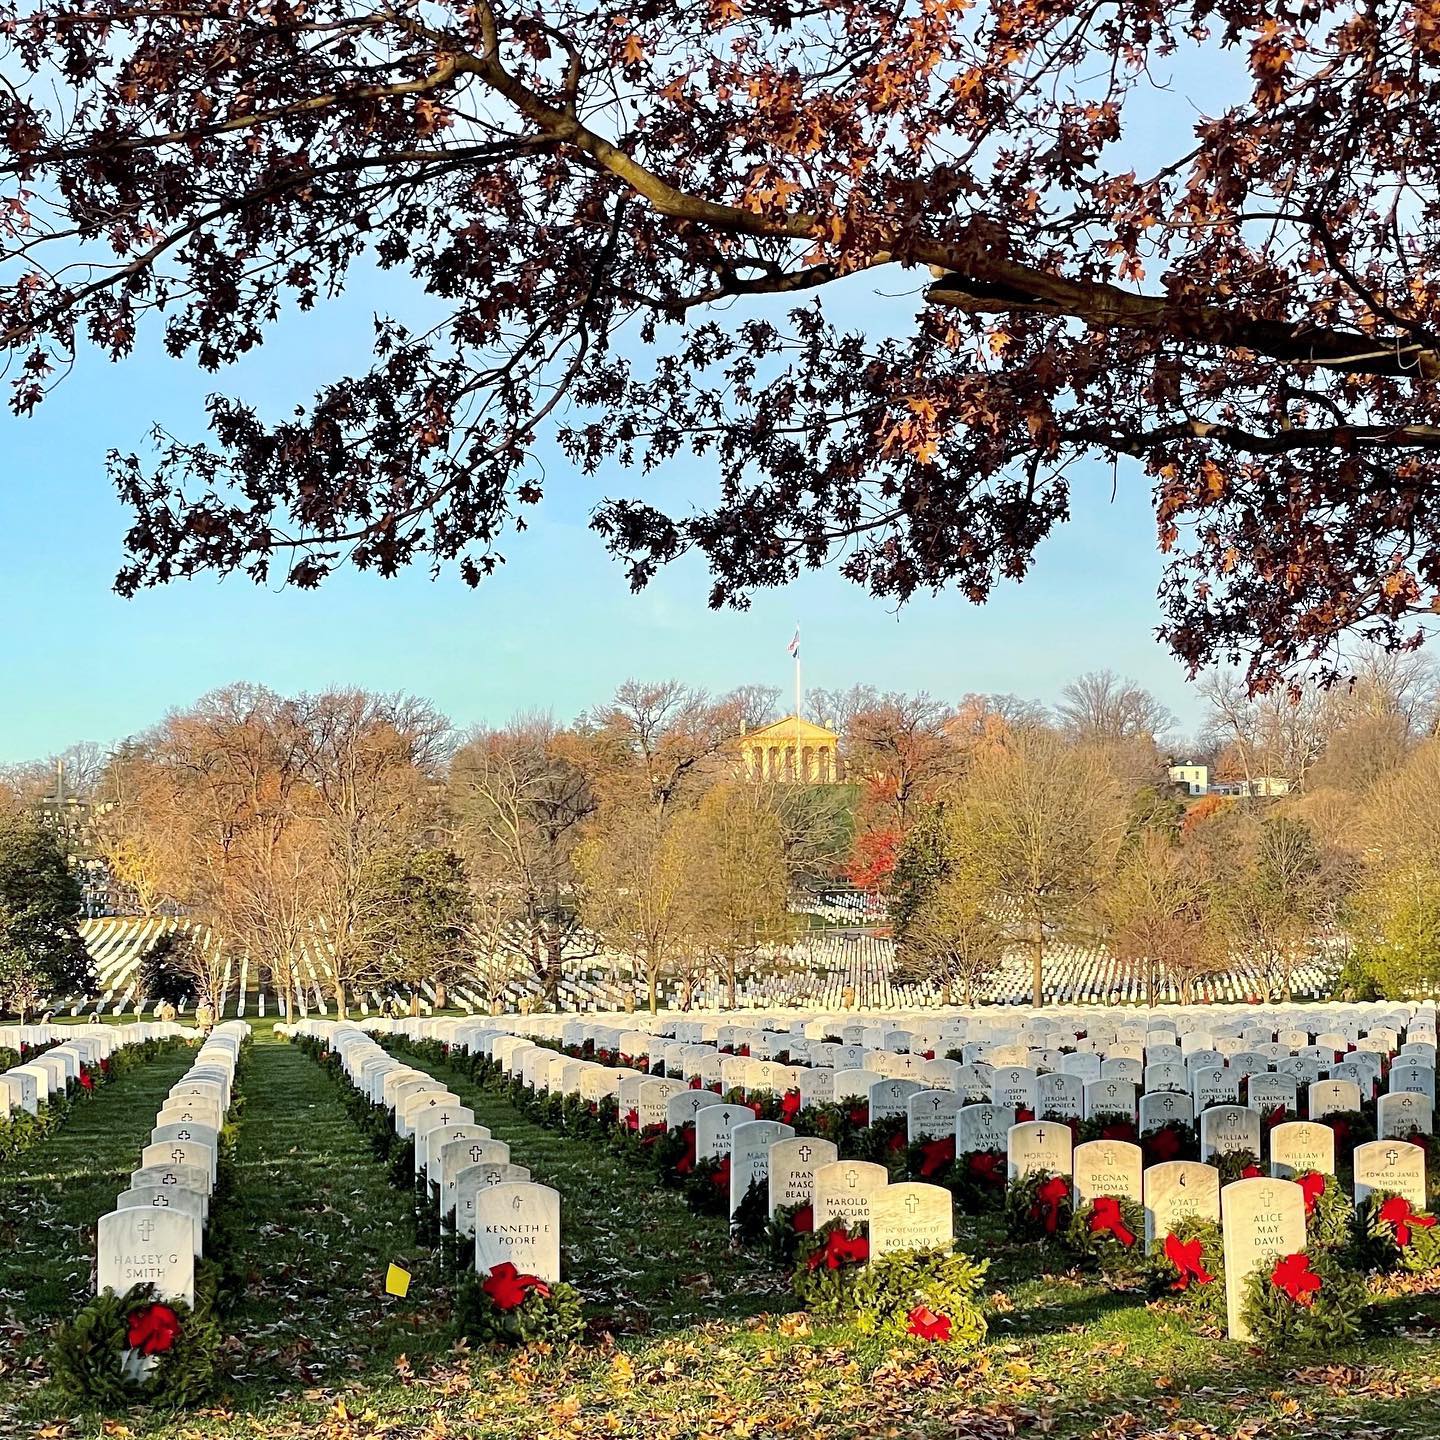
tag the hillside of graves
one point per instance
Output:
(831, 1224)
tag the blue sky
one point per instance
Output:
(556, 629)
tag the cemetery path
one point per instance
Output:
(52, 1194)
(634, 1249)
(316, 1222)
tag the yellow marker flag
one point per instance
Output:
(397, 1281)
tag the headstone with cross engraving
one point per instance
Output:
(1412, 1078)
(1403, 1115)
(817, 1087)
(434, 1127)
(1214, 1085)
(715, 1128)
(1229, 1129)
(982, 1127)
(1037, 1145)
(1165, 1107)
(1262, 1220)
(160, 1197)
(655, 1098)
(1059, 1096)
(1299, 1147)
(1390, 1165)
(1333, 1097)
(889, 1098)
(1269, 1092)
(1167, 1075)
(1111, 1097)
(681, 1109)
(147, 1245)
(1106, 1167)
(1178, 1190)
(750, 1144)
(911, 1216)
(518, 1222)
(843, 1190)
(793, 1164)
(469, 1182)
(1014, 1086)
(932, 1115)
(187, 1153)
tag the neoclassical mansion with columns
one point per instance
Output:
(793, 749)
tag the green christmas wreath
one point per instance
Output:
(784, 1231)
(1186, 1265)
(827, 1262)
(506, 1307)
(1038, 1206)
(1303, 1305)
(134, 1349)
(926, 1295)
(1110, 1232)
(1393, 1235)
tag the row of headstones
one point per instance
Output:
(156, 1232)
(1321, 1028)
(32, 1084)
(459, 1166)
(1261, 1219)
(936, 1113)
(1003, 1076)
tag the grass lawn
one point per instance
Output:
(692, 1339)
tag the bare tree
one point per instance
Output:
(671, 734)
(1048, 817)
(371, 764)
(1101, 706)
(635, 869)
(517, 799)
(1154, 912)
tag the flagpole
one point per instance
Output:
(797, 674)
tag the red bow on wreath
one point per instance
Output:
(1400, 1215)
(152, 1329)
(802, 1222)
(986, 1166)
(839, 1249)
(1292, 1275)
(507, 1287)
(695, 1082)
(1023, 1115)
(936, 1155)
(86, 1081)
(686, 1163)
(1048, 1196)
(1312, 1184)
(758, 1106)
(632, 1119)
(789, 1106)
(859, 1114)
(1272, 1118)
(1118, 1130)
(925, 1324)
(1106, 1218)
(1185, 1256)
(1251, 1172)
(1417, 1137)
(721, 1176)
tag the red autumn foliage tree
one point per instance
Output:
(872, 860)
(628, 219)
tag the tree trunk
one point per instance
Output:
(651, 996)
(730, 983)
(554, 956)
(441, 995)
(340, 999)
(1037, 970)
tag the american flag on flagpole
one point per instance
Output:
(794, 646)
